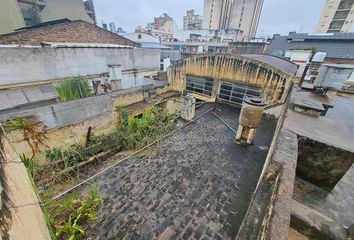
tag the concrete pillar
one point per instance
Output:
(250, 119)
(188, 107)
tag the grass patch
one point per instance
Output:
(72, 88)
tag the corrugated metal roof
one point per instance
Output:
(337, 45)
(279, 63)
(322, 36)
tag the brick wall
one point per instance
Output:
(70, 32)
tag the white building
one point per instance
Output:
(337, 16)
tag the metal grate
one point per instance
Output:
(235, 93)
(200, 85)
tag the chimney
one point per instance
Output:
(250, 120)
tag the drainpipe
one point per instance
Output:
(250, 119)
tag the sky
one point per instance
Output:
(278, 16)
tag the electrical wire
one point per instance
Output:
(131, 155)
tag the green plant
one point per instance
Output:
(53, 154)
(96, 139)
(73, 88)
(124, 115)
(31, 165)
(153, 123)
(18, 123)
(70, 216)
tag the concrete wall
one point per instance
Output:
(321, 164)
(69, 122)
(29, 65)
(234, 69)
(23, 215)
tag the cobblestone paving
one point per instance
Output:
(197, 184)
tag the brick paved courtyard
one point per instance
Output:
(197, 184)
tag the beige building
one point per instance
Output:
(233, 14)
(192, 21)
(337, 16)
(10, 16)
(71, 9)
(15, 14)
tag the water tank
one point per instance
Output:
(252, 112)
(250, 119)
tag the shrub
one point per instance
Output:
(153, 123)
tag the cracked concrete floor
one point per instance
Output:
(196, 184)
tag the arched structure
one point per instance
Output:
(232, 77)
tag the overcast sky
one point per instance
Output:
(278, 16)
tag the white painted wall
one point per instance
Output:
(25, 65)
(141, 37)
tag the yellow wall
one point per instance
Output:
(234, 69)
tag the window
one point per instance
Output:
(200, 85)
(139, 36)
(236, 93)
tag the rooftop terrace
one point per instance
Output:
(196, 183)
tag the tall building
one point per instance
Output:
(233, 14)
(164, 23)
(90, 10)
(162, 20)
(10, 16)
(337, 16)
(192, 21)
(245, 16)
(112, 27)
(15, 14)
(217, 14)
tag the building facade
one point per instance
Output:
(10, 16)
(337, 16)
(90, 9)
(17, 14)
(192, 21)
(233, 14)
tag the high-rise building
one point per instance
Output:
(160, 21)
(15, 14)
(10, 16)
(217, 14)
(192, 21)
(233, 14)
(245, 16)
(164, 23)
(337, 16)
(112, 27)
(90, 10)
